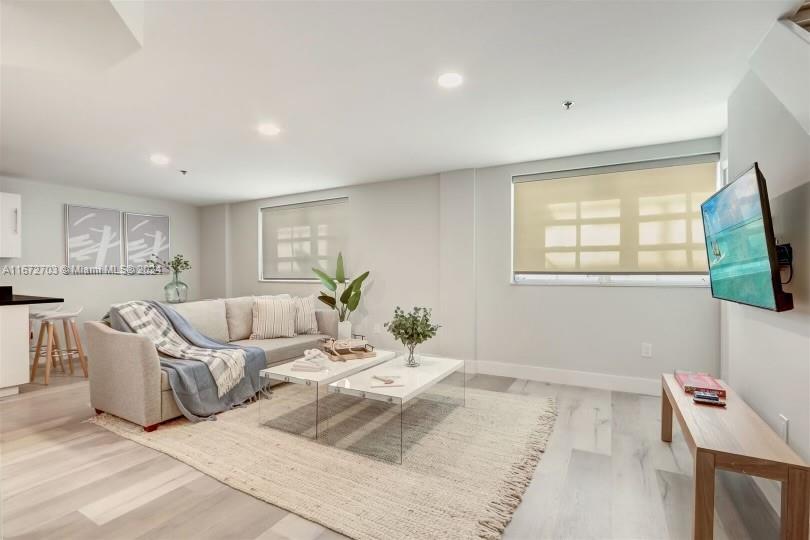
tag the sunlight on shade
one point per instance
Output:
(561, 235)
(605, 234)
(652, 233)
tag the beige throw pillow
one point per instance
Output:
(239, 315)
(305, 321)
(273, 317)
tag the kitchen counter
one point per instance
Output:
(23, 299)
(14, 346)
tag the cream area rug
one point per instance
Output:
(463, 472)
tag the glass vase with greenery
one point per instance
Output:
(412, 329)
(175, 291)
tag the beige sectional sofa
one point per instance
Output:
(124, 369)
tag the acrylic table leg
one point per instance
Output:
(401, 435)
(796, 505)
(666, 417)
(317, 409)
(465, 381)
(703, 526)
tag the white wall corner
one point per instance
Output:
(132, 13)
(782, 62)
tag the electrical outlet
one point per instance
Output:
(377, 328)
(646, 350)
(784, 428)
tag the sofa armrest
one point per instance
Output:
(327, 322)
(124, 374)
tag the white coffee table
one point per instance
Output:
(316, 379)
(411, 382)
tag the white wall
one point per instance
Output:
(545, 332)
(43, 232)
(393, 231)
(215, 282)
(769, 353)
(444, 241)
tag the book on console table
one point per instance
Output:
(702, 382)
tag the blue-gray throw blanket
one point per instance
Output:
(192, 384)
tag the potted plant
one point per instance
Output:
(345, 295)
(412, 329)
(175, 291)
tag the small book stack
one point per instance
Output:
(703, 387)
(690, 382)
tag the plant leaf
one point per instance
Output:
(327, 281)
(328, 300)
(354, 300)
(359, 281)
(340, 275)
(347, 292)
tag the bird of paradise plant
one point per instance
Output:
(344, 295)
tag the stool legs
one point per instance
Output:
(67, 345)
(49, 347)
(48, 353)
(57, 351)
(79, 347)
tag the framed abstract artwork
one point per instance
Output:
(92, 239)
(145, 235)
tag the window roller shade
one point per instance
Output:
(295, 238)
(624, 219)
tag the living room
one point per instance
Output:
(532, 174)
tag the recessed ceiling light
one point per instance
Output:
(159, 159)
(450, 80)
(269, 129)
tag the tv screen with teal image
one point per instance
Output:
(740, 244)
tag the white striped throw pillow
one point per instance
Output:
(305, 320)
(273, 317)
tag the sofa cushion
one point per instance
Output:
(282, 349)
(207, 317)
(305, 320)
(239, 315)
(273, 317)
(327, 321)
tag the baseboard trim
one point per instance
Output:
(9, 391)
(588, 379)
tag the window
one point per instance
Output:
(613, 224)
(297, 237)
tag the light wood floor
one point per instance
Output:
(605, 475)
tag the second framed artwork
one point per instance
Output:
(145, 235)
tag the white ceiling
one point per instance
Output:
(353, 87)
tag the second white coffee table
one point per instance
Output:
(410, 383)
(334, 371)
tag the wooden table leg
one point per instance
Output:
(666, 417)
(796, 505)
(703, 527)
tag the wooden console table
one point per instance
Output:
(736, 439)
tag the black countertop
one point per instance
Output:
(22, 299)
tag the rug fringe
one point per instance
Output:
(510, 495)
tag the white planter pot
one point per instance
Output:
(345, 330)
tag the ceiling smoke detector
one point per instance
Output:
(567, 104)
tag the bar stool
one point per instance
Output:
(38, 316)
(52, 350)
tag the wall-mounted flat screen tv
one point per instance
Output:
(741, 246)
